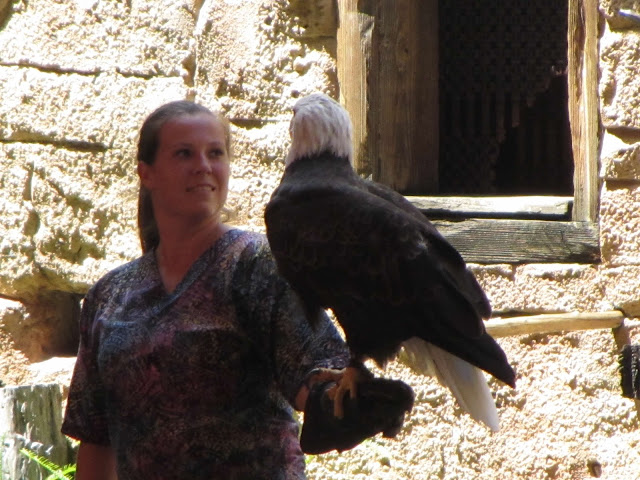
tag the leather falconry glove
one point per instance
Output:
(380, 406)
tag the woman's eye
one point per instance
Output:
(216, 152)
(183, 153)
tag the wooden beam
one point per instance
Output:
(552, 323)
(523, 241)
(534, 207)
(387, 58)
(582, 76)
(404, 95)
(355, 28)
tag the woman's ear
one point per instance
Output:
(144, 172)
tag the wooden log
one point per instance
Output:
(553, 323)
(31, 417)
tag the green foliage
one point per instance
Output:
(57, 472)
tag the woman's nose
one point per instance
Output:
(202, 163)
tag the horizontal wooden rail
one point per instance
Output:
(522, 241)
(521, 207)
(562, 322)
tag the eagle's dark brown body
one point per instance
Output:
(364, 251)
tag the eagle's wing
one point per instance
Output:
(452, 263)
(344, 240)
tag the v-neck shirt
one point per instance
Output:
(197, 383)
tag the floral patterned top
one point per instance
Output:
(197, 384)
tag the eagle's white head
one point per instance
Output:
(319, 124)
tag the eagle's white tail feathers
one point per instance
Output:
(466, 381)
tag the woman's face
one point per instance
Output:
(190, 175)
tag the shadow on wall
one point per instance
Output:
(45, 327)
(5, 12)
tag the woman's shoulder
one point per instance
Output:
(250, 253)
(248, 237)
(125, 275)
(247, 242)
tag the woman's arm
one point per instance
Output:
(96, 462)
(301, 399)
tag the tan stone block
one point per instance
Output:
(86, 112)
(612, 10)
(497, 282)
(253, 60)
(68, 217)
(619, 82)
(620, 224)
(621, 286)
(139, 37)
(542, 288)
(256, 172)
(619, 161)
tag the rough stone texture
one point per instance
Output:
(261, 46)
(256, 172)
(79, 111)
(136, 38)
(620, 160)
(52, 370)
(620, 224)
(41, 328)
(565, 415)
(621, 285)
(610, 9)
(14, 365)
(252, 62)
(542, 288)
(78, 77)
(68, 216)
(620, 53)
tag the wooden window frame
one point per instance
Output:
(376, 48)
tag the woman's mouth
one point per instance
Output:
(201, 187)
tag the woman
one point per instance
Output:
(191, 355)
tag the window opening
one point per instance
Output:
(504, 127)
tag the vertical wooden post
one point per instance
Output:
(353, 55)
(583, 105)
(31, 417)
(388, 72)
(404, 83)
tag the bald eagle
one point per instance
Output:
(362, 250)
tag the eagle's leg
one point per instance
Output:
(351, 376)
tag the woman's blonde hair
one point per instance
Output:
(147, 149)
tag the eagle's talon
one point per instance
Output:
(348, 383)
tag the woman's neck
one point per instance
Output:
(179, 248)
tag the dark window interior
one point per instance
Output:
(504, 126)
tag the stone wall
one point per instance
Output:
(78, 77)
